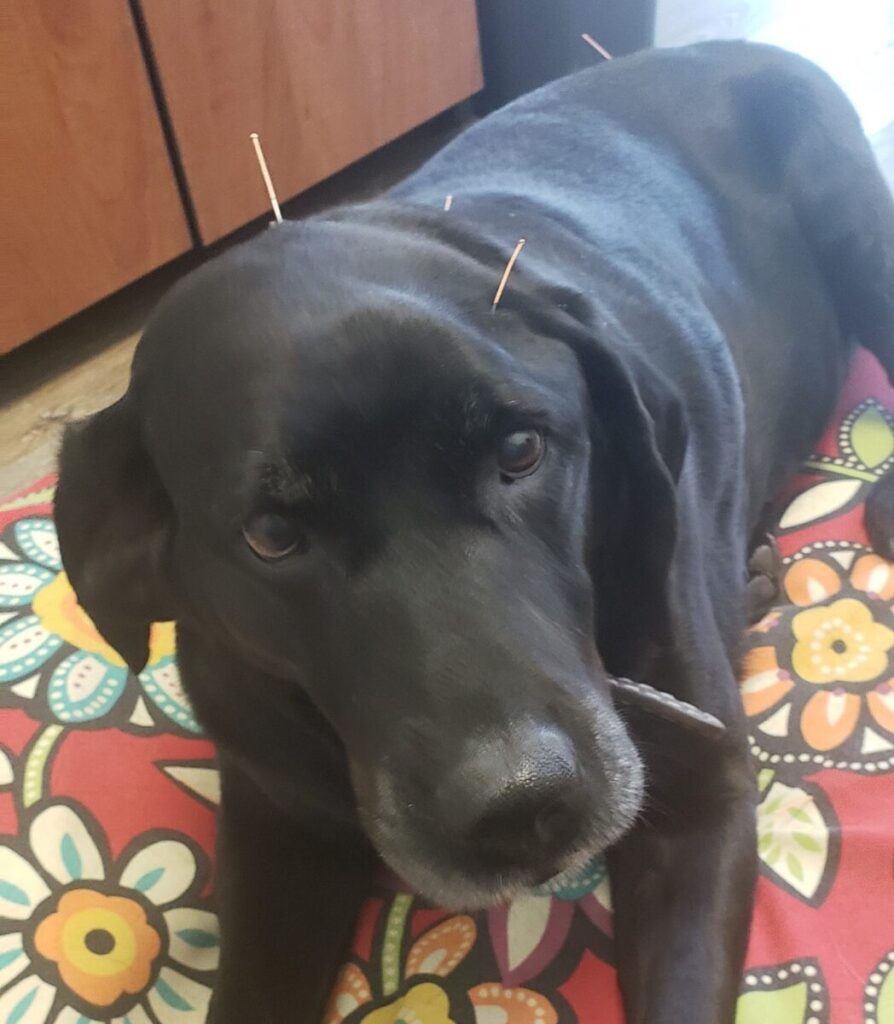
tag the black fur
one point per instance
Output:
(707, 237)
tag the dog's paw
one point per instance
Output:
(764, 587)
(879, 516)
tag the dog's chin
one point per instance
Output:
(457, 887)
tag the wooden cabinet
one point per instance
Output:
(88, 198)
(322, 81)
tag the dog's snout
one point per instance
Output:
(519, 803)
(528, 822)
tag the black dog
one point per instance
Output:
(409, 541)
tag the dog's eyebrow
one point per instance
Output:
(282, 483)
(509, 396)
(482, 413)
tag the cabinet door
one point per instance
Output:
(88, 198)
(322, 81)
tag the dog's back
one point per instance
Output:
(316, 471)
(681, 183)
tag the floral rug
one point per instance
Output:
(108, 793)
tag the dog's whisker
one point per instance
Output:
(501, 287)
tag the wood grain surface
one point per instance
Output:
(82, 364)
(322, 82)
(88, 200)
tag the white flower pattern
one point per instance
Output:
(52, 659)
(85, 940)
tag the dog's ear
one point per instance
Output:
(635, 515)
(114, 521)
(644, 422)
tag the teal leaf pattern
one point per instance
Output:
(172, 998)
(70, 856)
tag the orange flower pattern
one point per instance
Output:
(820, 672)
(116, 939)
(103, 946)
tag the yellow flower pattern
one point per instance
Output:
(824, 666)
(49, 642)
(56, 605)
(840, 642)
(425, 1003)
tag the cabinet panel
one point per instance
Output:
(88, 199)
(322, 82)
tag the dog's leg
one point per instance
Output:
(764, 586)
(879, 516)
(846, 212)
(683, 879)
(850, 222)
(288, 903)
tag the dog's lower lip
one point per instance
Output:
(542, 877)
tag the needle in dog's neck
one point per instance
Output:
(597, 46)
(265, 174)
(501, 287)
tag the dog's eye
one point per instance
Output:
(520, 453)
(272, 536)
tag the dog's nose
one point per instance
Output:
(519, 803)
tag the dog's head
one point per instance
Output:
(414, 513)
